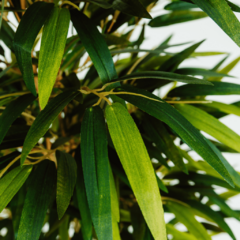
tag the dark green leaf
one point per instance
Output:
(12, 111)
(179, 5)
(7, 34)
(44, 120)
(95, 45)
(66, 180)
(176, 17)
(11, 183)
(37, 200)
(27, 31)
(222, 14)
(219, 88)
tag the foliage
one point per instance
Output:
(87, 145)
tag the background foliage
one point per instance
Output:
(87, 144)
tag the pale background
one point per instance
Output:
(216, 40)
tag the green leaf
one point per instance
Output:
(63, 229)
(233, 6)
(51, 52)
(28, 29)
(44, 120)
(11, 183)
(96, 171)
(137, 165)
(219, 88)
(133, 7)
(162, 75)
(190, 135)
(160, 136)
(66, 180)
(12, 111)
(101, 3)
(200, 72)
(7, 34)
(176, 17)
(2, 10)
(207, 123)
(184, 215)
(95, 45)
(37, 200)
(222, 14)
(172, 64)
(215, 216)
(179, 5)
(223, 107)
(177, 234)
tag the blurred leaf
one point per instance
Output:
(63, 229)
(184, 215)
(101, 3)
(222, 14)
(37, 200)
(11, 183)
(162, 75)
(219, 88)
(44, 120)
(96, 171)
(166, 113)
(179, 5)
(133, 7)
(207, 123)
(136, 163)
(95, 45)
(12, 111)
(176, 17)
(216, 217)
(7, 34)
(51, 52)
(2, 10)
(233, 6)
(177, 234)
(27, 31)
(66, 180)
(172, 64)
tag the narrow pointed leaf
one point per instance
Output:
(28, 29)
(66, 180)
(12, 111)
(137, 165)
(222, 14)
(164, 76)
(37, 200)
(166, 113)
(219, 88)
(2, 10)
(179, 235)
(51, 52)
(176, 17)
(44, 120)
(96, 171)
(95, 45)
(184, 215)
(172, 64)
(7, 34)
(179, 5)
(11, 183)
(133, 7)
(207, 123)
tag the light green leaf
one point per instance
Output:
(176, 17)
(162, 75)
(11, 183)
(137, 165)
(51, 52)
(222, 14)
(207, 123)
(190, 135)
(12, 111)
(66, 180)
(28, 29)
(37, 200)
(184, 215)
(44, 120)
(96, 171)
(177, 234)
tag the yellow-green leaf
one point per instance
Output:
(51, 52)
(137, 165)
